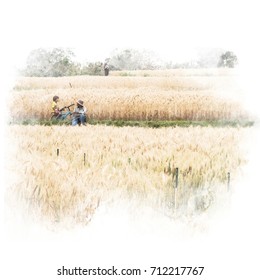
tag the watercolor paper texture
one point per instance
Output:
(140, 193)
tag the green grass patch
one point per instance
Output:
(180, 123)
(133, 123)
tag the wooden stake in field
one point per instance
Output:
(175, 187)
(58, 152)
(228, 181)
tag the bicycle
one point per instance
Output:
(62, 116)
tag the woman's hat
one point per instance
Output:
(80, 102)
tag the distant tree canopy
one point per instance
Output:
(228, 59)
(92, 68)
(59, 62)
(51, 63)
(132, 59)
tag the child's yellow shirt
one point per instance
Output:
(54, 106)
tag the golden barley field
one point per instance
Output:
(142, 95)
(134, 162)
(64, 173)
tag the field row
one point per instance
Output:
(121, 102)
(191, 81)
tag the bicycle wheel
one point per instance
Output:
(53, 117)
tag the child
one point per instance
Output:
(56, 111)
(79, 114)
(54, 106)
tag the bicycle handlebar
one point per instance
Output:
(67, 107)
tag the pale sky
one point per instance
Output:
(95, 27)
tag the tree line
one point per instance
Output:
(59, 62)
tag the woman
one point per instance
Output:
(79, 114)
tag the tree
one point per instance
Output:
(56, 62)
(132, 59)
(92, 68)
(228, 59)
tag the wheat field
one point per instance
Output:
(63, 173)
(194, 96)
(136, 162)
